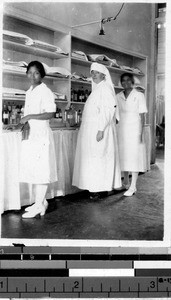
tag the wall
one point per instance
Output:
(133, 30)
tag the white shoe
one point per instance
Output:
(32, 207)
(35, 212)
(29, 208)
(130, 192)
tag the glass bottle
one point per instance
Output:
(5, 115)
(71, 116)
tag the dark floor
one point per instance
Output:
(115, 217)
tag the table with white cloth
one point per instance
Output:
(16, 194)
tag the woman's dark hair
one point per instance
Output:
(39, 67)
(129, 75)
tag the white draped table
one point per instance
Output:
(16, 194)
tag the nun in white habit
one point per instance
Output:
(96, 167)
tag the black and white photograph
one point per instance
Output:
(85, 122)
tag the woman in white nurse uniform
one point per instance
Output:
(96, 167)
(38, 164)
(132, 107)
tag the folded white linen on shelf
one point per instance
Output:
(56, 70)
(80, 77)
(101, 58)
(59, 96)
(15, 63)
(14, 68)
(132, 69)
(49, 47)
(17, 37)
(79, 54)
(12, 91)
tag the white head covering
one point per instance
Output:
(102, 69)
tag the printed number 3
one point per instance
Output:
(152, 284)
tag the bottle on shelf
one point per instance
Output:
(79, 96)
(75, 96)
(60, 113)
(76, 117)
(18, 114)
(57, 112)
(86, 95)
(22, 112)
(13, 116)
(71, 116)
(5, 115)
(79, 116)
(72, 95)
(82, 94)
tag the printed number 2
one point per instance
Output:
(152, 284)
(76, 284)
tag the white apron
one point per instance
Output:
(132, 153)
(38, 163)
(96, 165)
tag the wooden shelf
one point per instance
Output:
(77, 102)
(32, 50)
(50, 77)
(54, 35)
(80, 81)
(111, 69)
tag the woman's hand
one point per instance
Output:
(99, 136)
(25, 119)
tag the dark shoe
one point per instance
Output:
(94, 196)
(99, 195)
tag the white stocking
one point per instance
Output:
(134, 180)
(40, 193)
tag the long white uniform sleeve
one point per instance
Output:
(106, 109)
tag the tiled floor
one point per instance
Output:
(115, 217)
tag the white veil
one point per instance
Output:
(102, 69)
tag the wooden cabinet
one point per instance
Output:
(38, 28)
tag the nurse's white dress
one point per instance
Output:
(96, 165)
(38, 163)
(131, 152)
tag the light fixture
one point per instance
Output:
(102, 22)
(102, 32)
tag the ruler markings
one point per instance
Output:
(141, 285)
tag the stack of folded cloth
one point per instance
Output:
(101, 58)
(56, 71)
(80, 77)
(10, 92)
(59, 96)
(17, 37)
(79, 55)
(48, 47)
(19, 66)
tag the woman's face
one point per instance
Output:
(127, 82)
(97, 76)
(34, 75)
